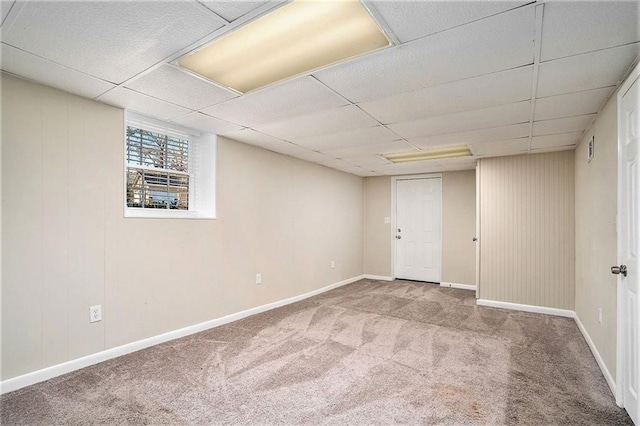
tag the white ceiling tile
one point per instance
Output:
(570, 28)
(370, 149)
(231, 10)
(339, 164)
(357, 137)
(46, 72)
(323, 122)
(293, 150)
(478, 92)
(5, 7)
(571, 104)
(481, 135)
(206, 123)
(112, 40)
(468, 120)
(331, 161)
(411, 167)
(299, 96)
(552, 141)
(313, 156)
(261, 140)
(587, 71)
(409, 20)
(458, 163)
(354, 170)
(501, 42)
(254, 138)
(369, 162)
(367, 173)
(470, 163)
(505, 153)
(553, 149)
(178, 87)
(128, 99)
(562, 125)
(496, 148)
(359, 171)
(384, 73)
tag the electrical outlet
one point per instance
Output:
(600, 315)
(333, 264)
(258, 278)
(95, 313)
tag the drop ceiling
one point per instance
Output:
(503, 77)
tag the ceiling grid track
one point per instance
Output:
(357, 106)
(411, 96)
(536, 68)
(378, 121)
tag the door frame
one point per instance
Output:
(394, 226)
(478, 223)
(620, 342)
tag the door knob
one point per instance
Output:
(622, 269)
(398, 236)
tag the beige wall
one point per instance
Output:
(66, 245)
(596, 185)
(527, 229)
(458, 227)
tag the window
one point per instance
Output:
(157, 170)
(169, 170)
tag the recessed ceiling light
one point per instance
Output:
(432, 154)
(299, 37)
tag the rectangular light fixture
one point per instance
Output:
(432, 154)
(296, 38)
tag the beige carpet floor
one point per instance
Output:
(367, 353)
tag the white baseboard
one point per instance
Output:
(378, 277)
(563, 313)
(460, 286)
(605, 371)
(527, 308)
(38, 376)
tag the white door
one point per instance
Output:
(418, 229)
(629, 129)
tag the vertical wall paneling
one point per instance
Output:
(527, 229)
(22, 237)
(55, 200)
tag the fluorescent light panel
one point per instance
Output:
(296, 38)
(432, 154)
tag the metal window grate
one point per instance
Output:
(157, 170)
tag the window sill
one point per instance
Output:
(164, 214)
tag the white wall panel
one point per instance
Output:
(527, 229)
(66, 245)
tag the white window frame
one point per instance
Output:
(202, 170)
